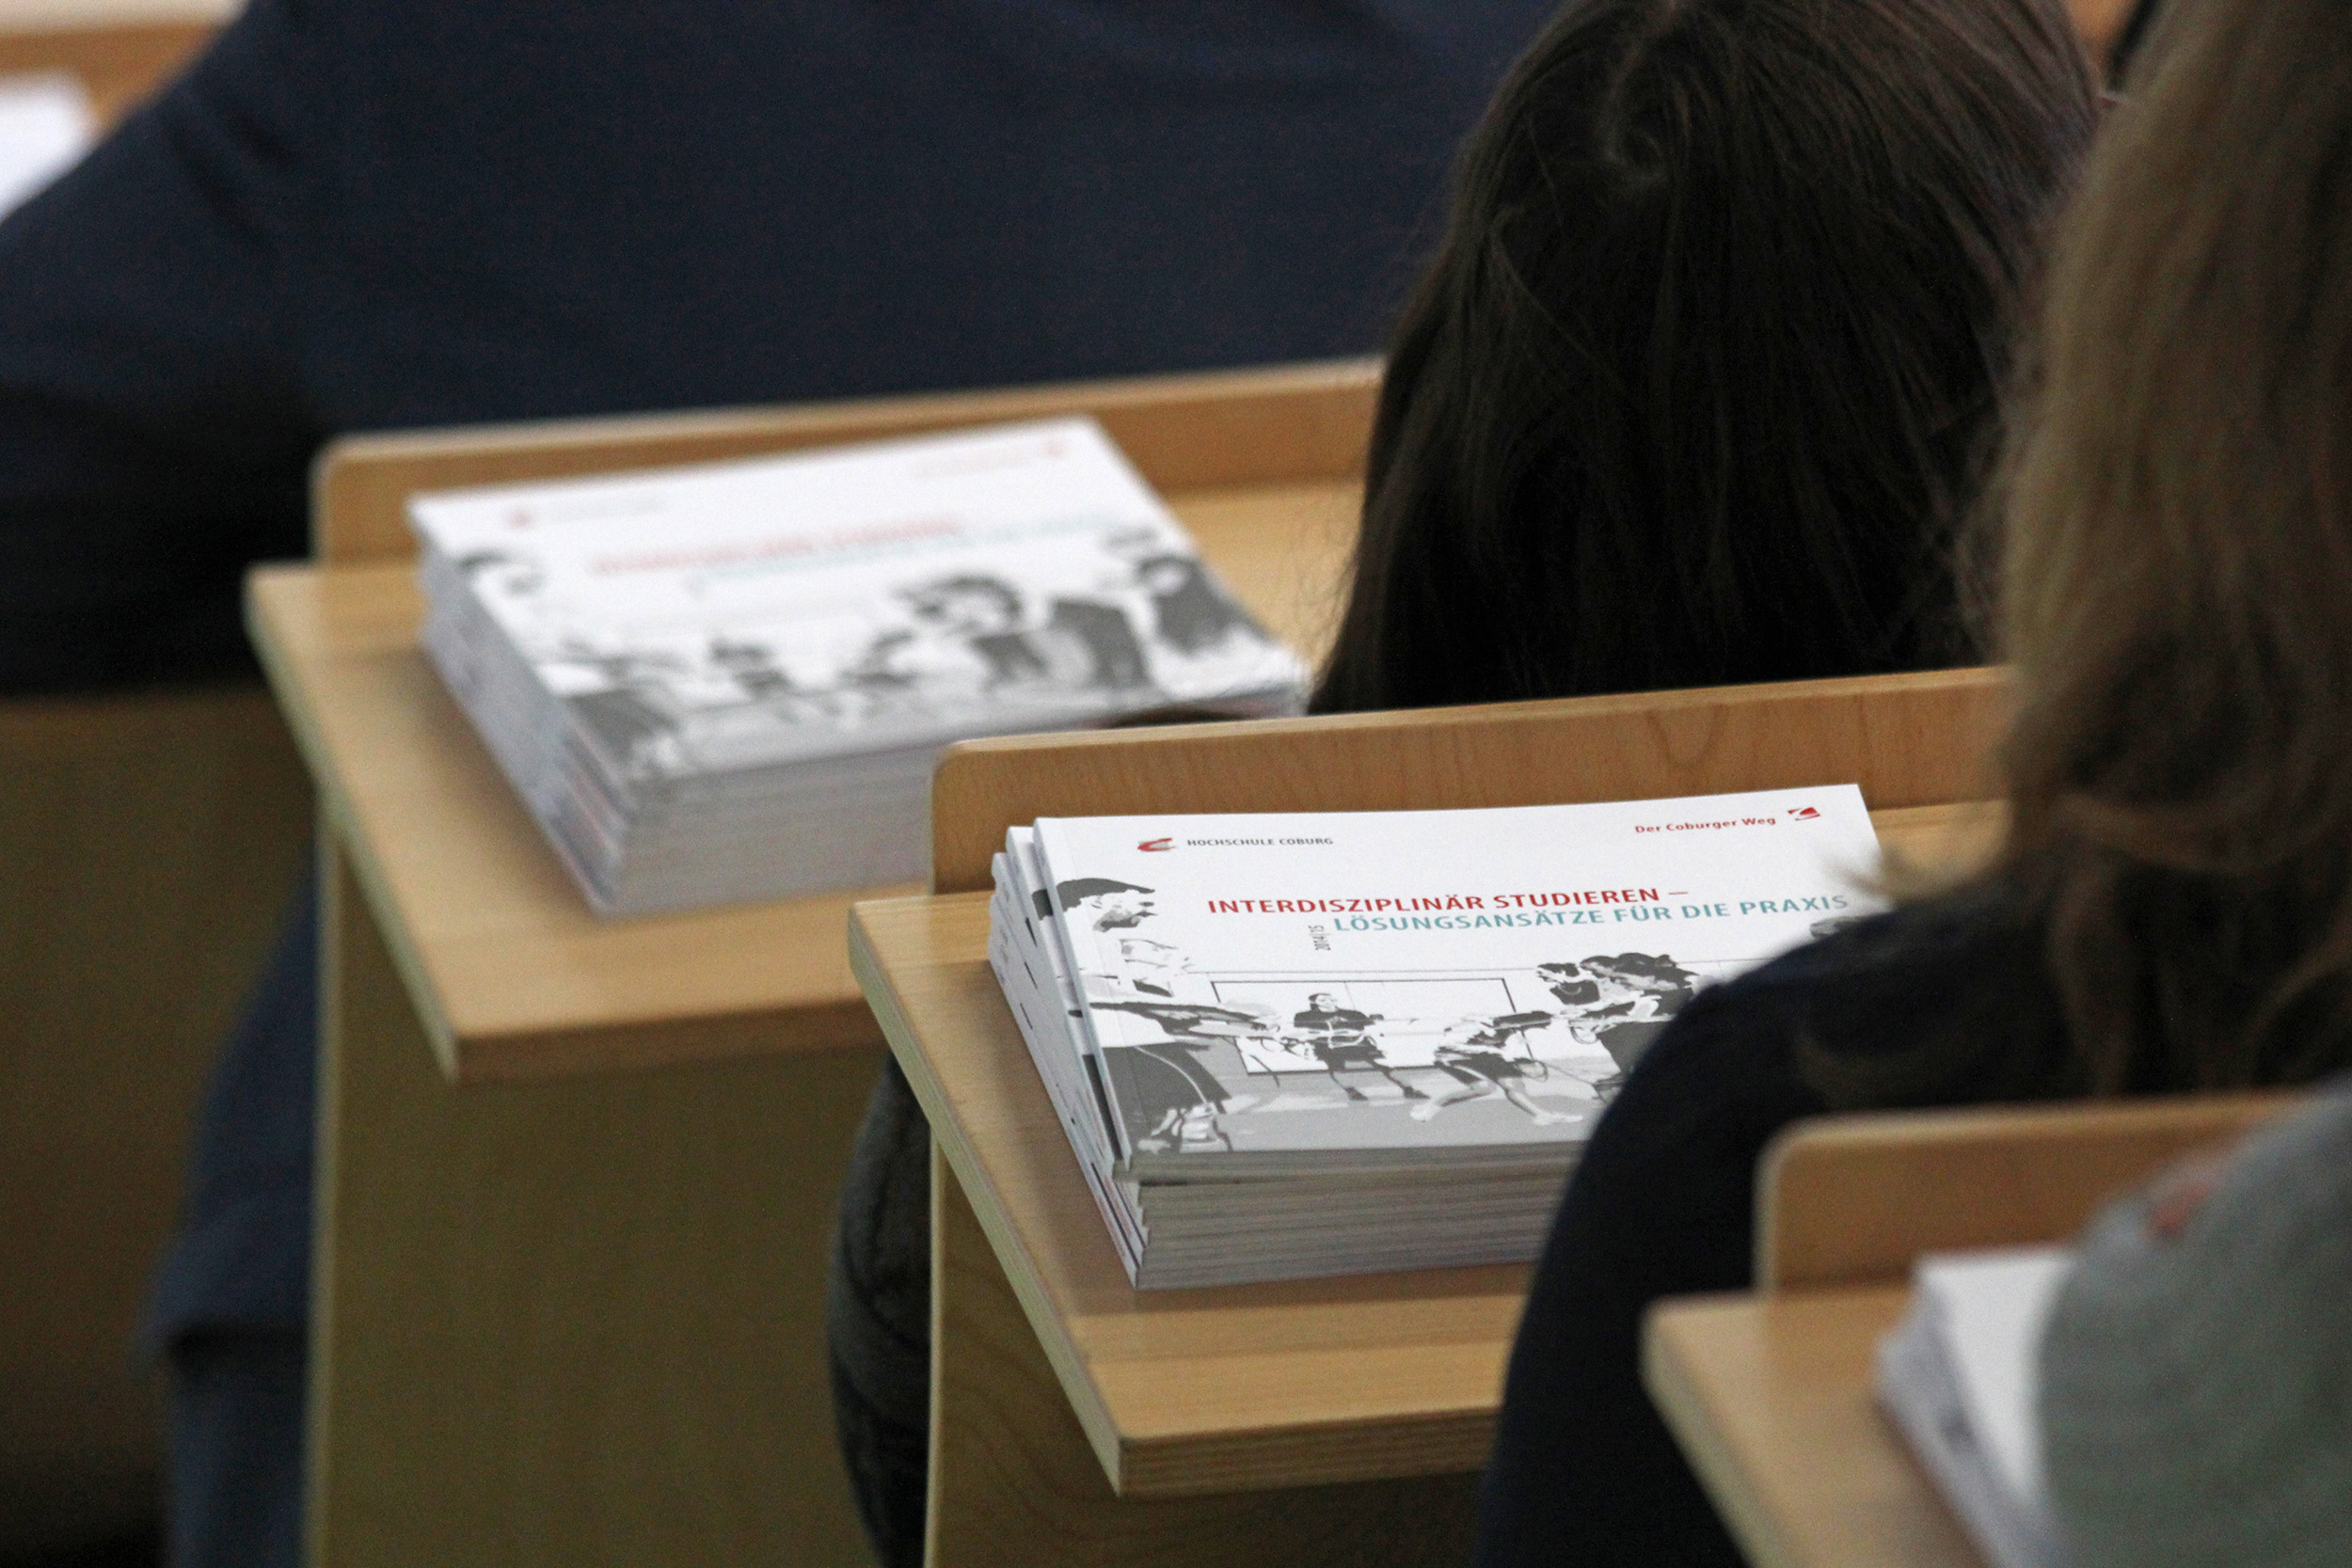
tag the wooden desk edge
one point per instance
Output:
(1413, 1444)
(265, 588)
(647, 1044)
(1708, 1361)
(359, 483)
(947, 1131)
(561, 1051)
(1666, 1377)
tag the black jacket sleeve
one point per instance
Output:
(152, 437)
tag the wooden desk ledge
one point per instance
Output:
(1179, 1392)
(511, 974)
(1772, 1399)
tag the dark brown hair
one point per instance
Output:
(2177, 577)
(1706, 366)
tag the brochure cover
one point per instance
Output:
(1961, 1377)
(707, 620)
(1450, 980)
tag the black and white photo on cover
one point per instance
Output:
(1549, 1042)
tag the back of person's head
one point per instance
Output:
(1706, 366)
(2178, 566)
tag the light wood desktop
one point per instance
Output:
(1079, 1421)
(576, 1177)
(1771, 1394)
(120, 50)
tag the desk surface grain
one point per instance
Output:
(1771, 1397)
(513, 975)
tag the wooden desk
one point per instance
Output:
(1079, 1421)
(1769, 1394)
(512, 977)
(1770, 1397)
(121, 49)
(578, 1178)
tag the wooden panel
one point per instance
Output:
(1772, 1401)
(119, 62)
(148, 847)
(515, 976)
(1188, 432)
(573, 1323)
(1014, 1483)
(1178, 1392)
(1853, 1199)
(1909, 740)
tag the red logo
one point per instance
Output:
(1156, 846)
(1804, 814)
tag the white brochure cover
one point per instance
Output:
(899, 594)
(1448, 979)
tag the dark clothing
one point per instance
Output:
(1340, 1042)
(1475, 1065)
(877, 1319)
(1010, 657)
(2129, 39)
(1114, 657)
(232, 1393)
(1195, 616)
(1340, 1027)
(1663, 1203)
(351, 215)
(242, 1259)
(232, 1296)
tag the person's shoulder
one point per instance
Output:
(2197, 1350)
(2271, 1215)
(1953, 942)
(2275, 1203)
(1875, 996)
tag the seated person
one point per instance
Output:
(2197, 1368)
(1697, 389)
(354, 215)
(1695, 392)
(2170, 906)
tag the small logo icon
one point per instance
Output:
(1805, 814)
(1156, 846)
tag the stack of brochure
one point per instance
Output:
(45, 127)
(1961, 1377)
(1316, 1044)
(730, 682)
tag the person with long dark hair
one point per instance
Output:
(1704, 375)
(2171, 908)
(1696, 391)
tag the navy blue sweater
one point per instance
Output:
(354, 215)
